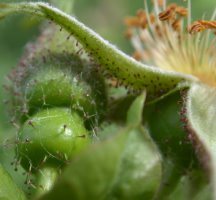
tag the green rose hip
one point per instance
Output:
(51, 137)
(47, 141)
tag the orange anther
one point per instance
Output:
(128, 33)
(201, 25)
(176, 25)
(137, 55)
(166, 15)
(132, 21)
(182, 11)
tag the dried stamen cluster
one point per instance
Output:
(161, 38)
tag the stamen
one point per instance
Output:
(141, 14)
(128, 33)
(152, 18)
(167, 45)
(181, 11)
(176, 25)
(201, 25)
(132, 21)
(208, 24)
(196, 27)
(137, 55)
(158, 30)
(171, 11)
(167, 14)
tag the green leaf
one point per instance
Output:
(135, 74)
(201, 112)
(8, 189)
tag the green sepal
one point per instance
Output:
(164, 122)
(135, 112)
(130, 72)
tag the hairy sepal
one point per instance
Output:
(201, 126)
(130, 72)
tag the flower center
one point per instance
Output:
(161, 38)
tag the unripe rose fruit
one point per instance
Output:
(54, 135)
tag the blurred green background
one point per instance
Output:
(105, 17)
